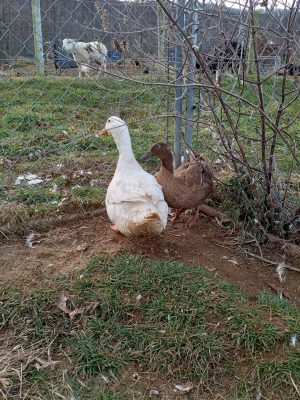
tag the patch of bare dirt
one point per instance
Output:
(66, 249)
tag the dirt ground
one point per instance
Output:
(66, 249)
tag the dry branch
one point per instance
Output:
(212, 212)
(291, 248)
(265, 260)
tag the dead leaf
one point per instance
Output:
(62, 305)
(154, 392)
(41, 364)
(75, 312)
(5, 382)
(184, 388)
(233, 262)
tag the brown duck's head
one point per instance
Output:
(160, 150)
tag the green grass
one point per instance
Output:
(50, 121)
(186, 326)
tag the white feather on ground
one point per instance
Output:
(294, 340)
(281, 272)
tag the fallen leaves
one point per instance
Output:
(62, 305)
(154, 392)
(83, 310)
(29, 179)
(41, 364)
(233, 261)
(16, 361)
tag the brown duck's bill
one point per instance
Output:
(103, 133)
(147, 156)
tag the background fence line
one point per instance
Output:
(203, 81)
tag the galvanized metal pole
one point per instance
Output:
(38, 37)
(160, 35)
(192, 20)
(168, 93)
(178, 90)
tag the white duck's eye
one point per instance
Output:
(109, 120)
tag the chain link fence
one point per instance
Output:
(51, 160)
(164, 82)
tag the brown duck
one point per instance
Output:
(186, 187)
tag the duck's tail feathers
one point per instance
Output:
(152, 216)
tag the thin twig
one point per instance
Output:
(265, 260)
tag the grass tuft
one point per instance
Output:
(160, 318)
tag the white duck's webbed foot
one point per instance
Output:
(114, 228)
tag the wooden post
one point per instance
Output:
(38, 37)
(255, 20)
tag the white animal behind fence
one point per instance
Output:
(87, 55)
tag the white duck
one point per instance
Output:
(134, 200)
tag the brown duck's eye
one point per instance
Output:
(158, 146)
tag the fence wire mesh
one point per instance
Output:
(165, 82)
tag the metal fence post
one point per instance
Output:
(179, 89)
(38, 36)
(192, 20)
(160, 35)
